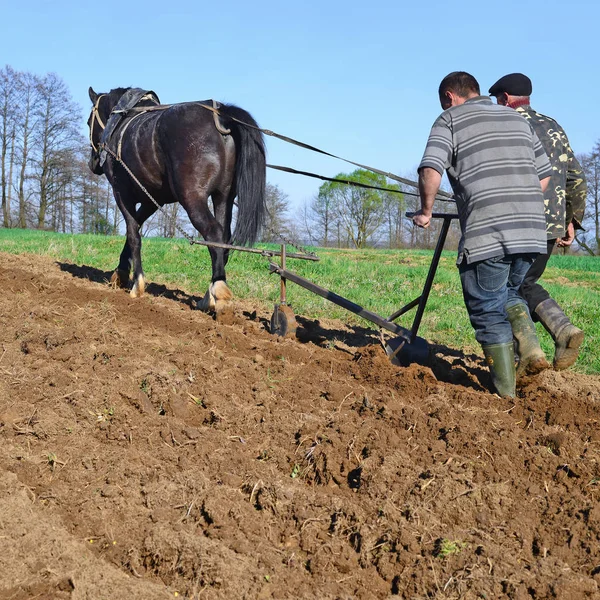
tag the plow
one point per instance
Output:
(403, 349)
(406, 347)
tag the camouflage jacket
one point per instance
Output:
(566, 193)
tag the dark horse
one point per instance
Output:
(180, 153)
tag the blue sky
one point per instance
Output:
(357, 79)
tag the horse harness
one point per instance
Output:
(127, 106)
(126, 111)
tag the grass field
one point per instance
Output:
(380, 280)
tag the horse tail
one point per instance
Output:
(250, 174)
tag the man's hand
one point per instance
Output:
(422, 219)
(568, 238)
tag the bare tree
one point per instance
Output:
(277, 222)
(590, 240)
(394, 206)
(9, 89)
(321, 217)
(25, 128)
(55, 136)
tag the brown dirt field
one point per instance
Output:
(150, 452)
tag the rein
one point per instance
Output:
(441, 195)
(96, 117)
(266, 253)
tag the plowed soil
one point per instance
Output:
(148, 451)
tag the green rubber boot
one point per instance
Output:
(532, 359)
(567, 338)
(500, 359)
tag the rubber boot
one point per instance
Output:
(567, 338)
(532, 359)
(500, 359)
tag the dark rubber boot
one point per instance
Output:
(500, 358)
(567, 338)
(532, 359)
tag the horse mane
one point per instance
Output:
(116, 93)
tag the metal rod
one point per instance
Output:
(434, 215)
(255, 250)
(431, 275)
(404, 309)
(416, 301)
(340, 301)
(282, 294)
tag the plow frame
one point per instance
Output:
(407, 341)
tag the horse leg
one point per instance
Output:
(120, 276)
(219, 296)
(131, 253)
(223, 208)
(139, 283)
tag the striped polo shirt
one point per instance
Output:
(494, 163)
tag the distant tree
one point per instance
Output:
(321, 217)
(170, 220)
(28, 86)
(56, 136)
(590, 240)
(9, 100)
(394, 206)
(95, 208)
(43, 159)
(165, 222)
(277, 221)
(358, 213)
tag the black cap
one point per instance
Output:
(515, 84)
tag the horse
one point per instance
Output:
(182, 153)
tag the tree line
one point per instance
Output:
(46, 184)
(352, 217)
(44, 179)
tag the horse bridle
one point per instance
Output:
(96, 117)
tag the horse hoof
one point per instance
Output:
(119, 279)
(139, 287)
(223, 306)
(220, 290)
(207, 304)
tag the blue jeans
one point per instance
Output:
(489, 287)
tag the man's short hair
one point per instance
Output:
(461, 83)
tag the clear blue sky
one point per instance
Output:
(358, 79)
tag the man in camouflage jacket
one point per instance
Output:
(564, 201)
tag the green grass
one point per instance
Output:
(379, 280)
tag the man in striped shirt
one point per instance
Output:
(498, 169)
